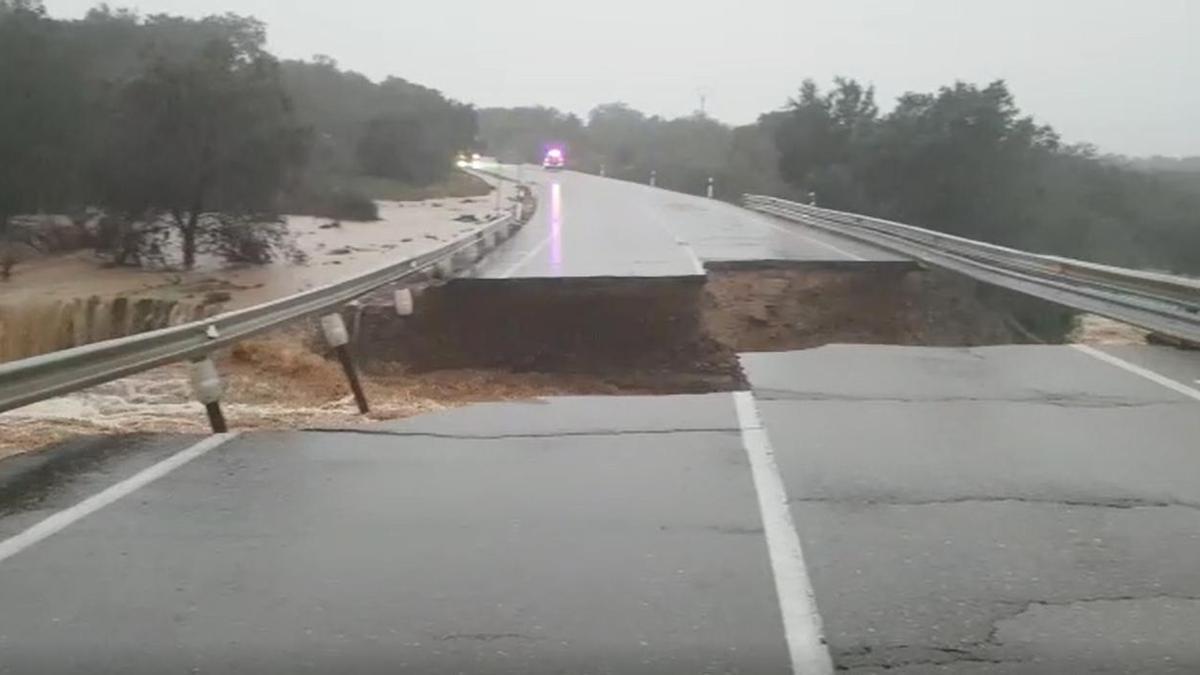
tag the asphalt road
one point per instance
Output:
(569, 536)
(995, 510)
(589, 226)
(991, 510)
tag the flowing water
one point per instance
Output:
(43, 326)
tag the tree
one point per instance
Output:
(40, 113)
(523, 134)
(961, 160)
(396, 147)
(821, 138)
(202, 142)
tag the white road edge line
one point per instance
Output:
(65, 518)
(816, 241)
(691, 253)
(526, 258)
(1138, 370)
(797, 603)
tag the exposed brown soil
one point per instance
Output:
(675, 335)
(795, 307)
(636, 333)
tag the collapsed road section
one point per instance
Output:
(681, 335)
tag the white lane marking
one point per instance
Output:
(818, 242)
(527, 257)
(801, 622)
(1138, 370)
(691, 252)
(63, 519)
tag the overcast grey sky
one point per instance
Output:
(1123, 74)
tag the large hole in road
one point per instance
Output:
(682, 335)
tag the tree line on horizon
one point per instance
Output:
(190, 130)
(963, 160)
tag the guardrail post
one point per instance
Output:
(336, 335)
(207, 388)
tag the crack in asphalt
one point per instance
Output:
(1114, 503)
(1025, 607)
(1020, 608)
(485, 637)
(893, 657)
(1058, 400)
(549, 434)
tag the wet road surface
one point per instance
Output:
(589, 226)
(994, 510)
(989, 510)
(568, 536)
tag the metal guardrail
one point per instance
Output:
(42, 377)
(1162, 303)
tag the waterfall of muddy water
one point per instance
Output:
(41, 326)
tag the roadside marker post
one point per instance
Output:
(336, 335)
(207, 388)
(653, 179)
(403, 299)
(712, 189)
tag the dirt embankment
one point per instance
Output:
(796, 307)
(635, 333)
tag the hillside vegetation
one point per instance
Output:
(963, 159)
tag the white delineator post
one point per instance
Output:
(402, 298)
(336, 335)
(712, 189)
(208, 389)
(653, 179)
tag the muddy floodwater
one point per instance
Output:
(66, 300)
